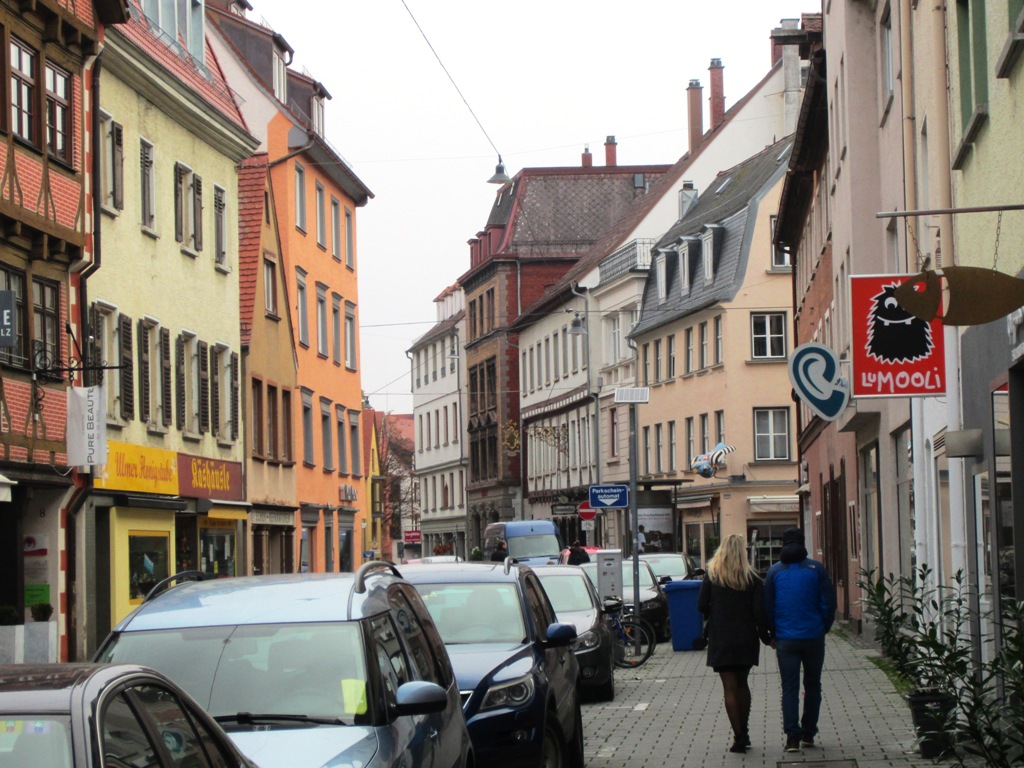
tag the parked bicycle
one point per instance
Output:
(633, 641)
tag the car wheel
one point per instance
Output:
(576, 756)
(606, 692)
(552, 753)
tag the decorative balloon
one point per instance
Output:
(707, 464)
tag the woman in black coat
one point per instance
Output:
(731, 601)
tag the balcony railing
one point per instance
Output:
(634, 255)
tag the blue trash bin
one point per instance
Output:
(687, 622)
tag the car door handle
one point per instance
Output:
(432, 733)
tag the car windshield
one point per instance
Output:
(29, 739)
(673, 566)
(566, 593)
(627, 574)
(538, 545)
(315, 669)
(475, 613)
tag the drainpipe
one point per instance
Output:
(590, 390)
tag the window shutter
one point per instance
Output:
(235, 384)
(179, 202)
(144, 405)
(197, 204)
(124, 337)
(179, 362)
(165, 375)
(117, 183)
(204, 388)
(215, 376)
(95, 346)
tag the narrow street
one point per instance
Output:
(670, 713)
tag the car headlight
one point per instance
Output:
(650, 605)
(586, 641)
(514, 693)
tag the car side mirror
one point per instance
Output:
(664, 579)
(696, 573)
(419, 698)
(560, 635)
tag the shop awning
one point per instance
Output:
(229, 510)
(5, 487)
(695, 502)
(774, 503)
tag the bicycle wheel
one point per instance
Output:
(636, 644)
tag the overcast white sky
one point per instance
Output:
(544, 77)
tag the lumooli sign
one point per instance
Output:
(8, 320)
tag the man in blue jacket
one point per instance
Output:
(800, 603)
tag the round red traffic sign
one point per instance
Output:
(586, 512)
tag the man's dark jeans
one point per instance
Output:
(792, 654)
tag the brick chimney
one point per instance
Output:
(609, 151)
(695, 112)
(588, 159)
(717, 99)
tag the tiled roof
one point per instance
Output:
(206, 80)
(442, 328)
(252, 180)
(561, 211)
(729, 203)
(614, 236)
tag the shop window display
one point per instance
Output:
(148, 557)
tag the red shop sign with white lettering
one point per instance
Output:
(894, 353)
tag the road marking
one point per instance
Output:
(641, 706)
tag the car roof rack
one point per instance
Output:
(164, 583)
(364, 571)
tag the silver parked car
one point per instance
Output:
(307, 669)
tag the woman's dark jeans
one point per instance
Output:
(792, 654)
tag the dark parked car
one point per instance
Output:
(519, 678)
(69, 715)
(575, 601)
(673, 566)
(653, 602)
(308, 669)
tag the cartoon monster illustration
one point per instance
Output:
(895, 335)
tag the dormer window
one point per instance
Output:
(280, 77)
(659, 271)
(707, 246)
(316, 112)
(686, 250)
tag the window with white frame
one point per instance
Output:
(336, 328)
(269, 284)
(672, 457)
(771, 434)
(147, 186)
(322, 342)
(670, 356)
(719, 345)
(190, 354)
(658, 448)
(111, 163)
(647, 450)
(321, 215)
(707, 248)
(350, 241)
(768, 335)
(104, 332)
(280, 77)
(220, 226)
(188, 208)
(58, 113)
(308, 454)
(690, 441)
(659, 271)
(224, 402)
(335, 229)
(705, 434)
(154, 374)
(301, 303)
(350, 336)
(780, 257)
(719, 426)
(316, 114)
(688, 352)
(684, 269)
(327, 434)
(300, 197)
(339, 423)
(23, 64)
(614, 338)
(703, 333)
(886, 53)
(613, 432)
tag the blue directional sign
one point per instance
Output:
(609, 496)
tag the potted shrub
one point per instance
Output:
(476, 554)
(41, 611)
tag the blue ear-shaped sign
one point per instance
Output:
(814, 373)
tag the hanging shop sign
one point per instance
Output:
(87, 426)
(814, 374)
(895, 354)
(204, 478)
(139, 468)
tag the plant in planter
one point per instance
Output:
(41, 611)
(476, 554)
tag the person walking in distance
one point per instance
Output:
(731, 600)
(800, 603)
(641, 540)
(577, 554)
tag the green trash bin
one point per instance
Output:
(687, 622)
